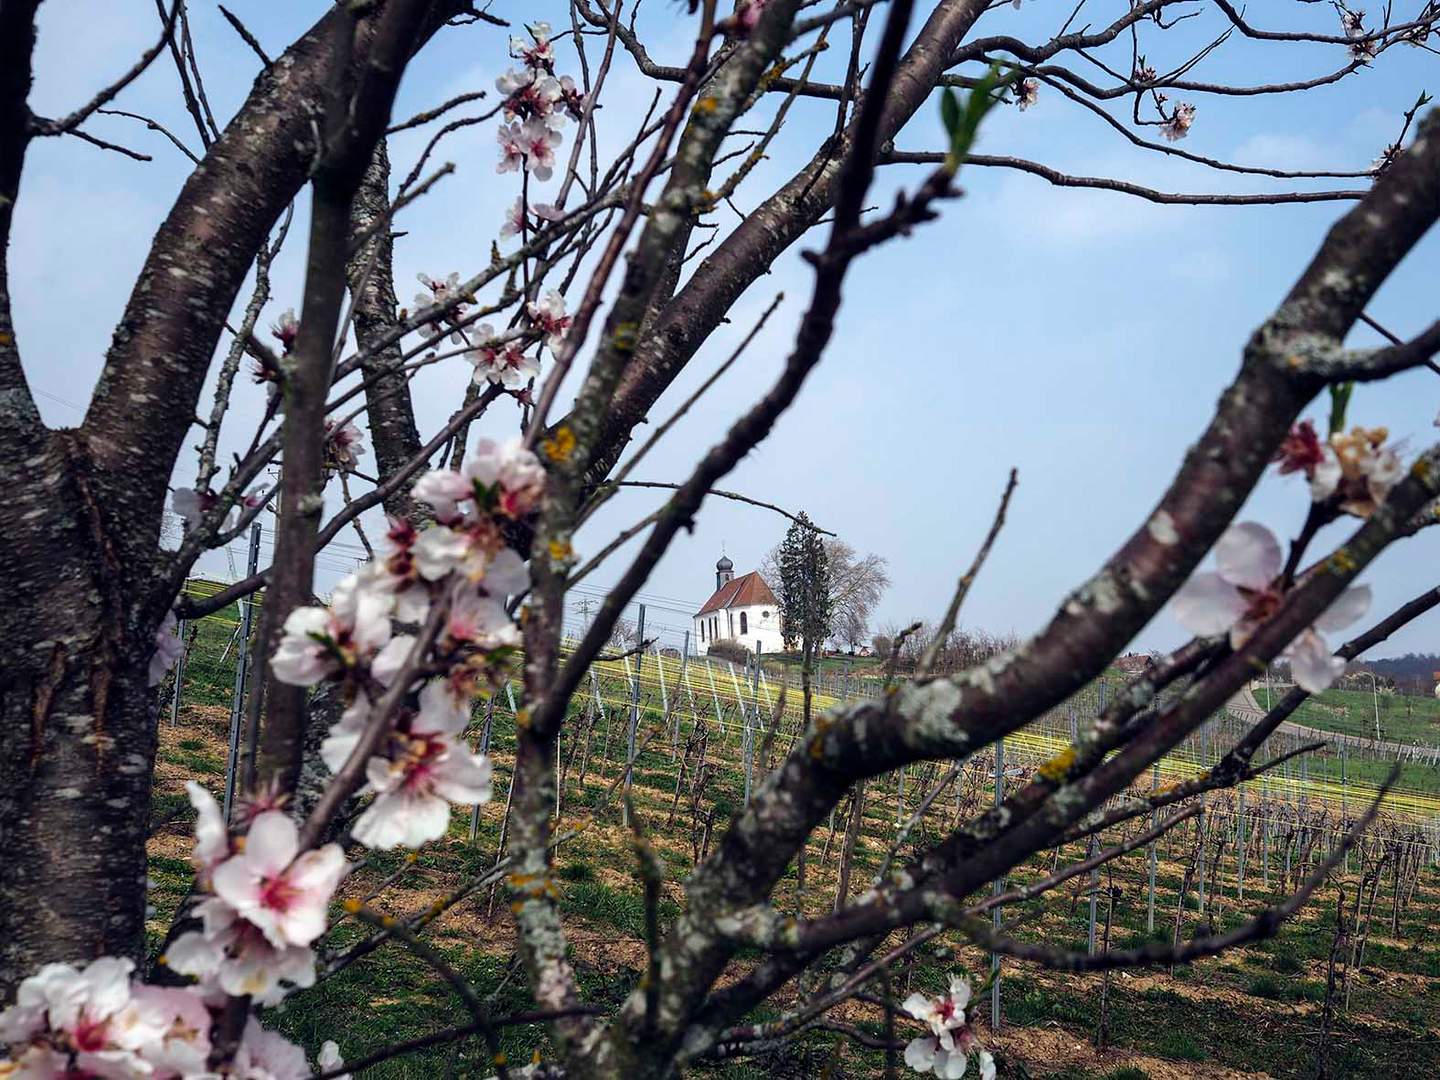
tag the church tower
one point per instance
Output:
(724, 572)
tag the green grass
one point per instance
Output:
(1403, 718)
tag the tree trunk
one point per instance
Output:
(77, 725)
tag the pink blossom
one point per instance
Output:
(1027, 92)
(478, 616)
(344, 444)
(268, 1055)
(1300, 451)
(539, 141)
(1242, 593)
(505, 477)
(572, 98)
(548, 316)
(177, 1023)
(212, 838)
(945, 1049)
(273, 886)
(1358, 470)
(193, 505)
(442, 292)
(319, 642)
(538, 53)
(427, 767)
(234, 955)
(513, 147)
(86, 1015)
(531, 95)
(501, 361)
(1178, 125)
(286, 329)
(168, 647)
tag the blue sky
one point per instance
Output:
(1082, 337)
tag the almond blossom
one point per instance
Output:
(945, 1050)
(501, 476)
(286, 329)
(425, 769)
(517, 221)
(344, 444)
(539, 141)
(192, 505)
(1177, 126)
(511, 138)
(212, 838)
(233, 955)
(1242, 592)
(531, 95)
(79, 1023)
(168, 647)
(550, 319)
(1027, 92)
(273, 886)
(572, 98)
(500, 361)
(1355, 470)
(442, 292)
(397, 575)
(317, 642)
(539, 53)
(268, 1055)
(1359, 470)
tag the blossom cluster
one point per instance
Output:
(265, 903)
(1353, 24)
(1353, 471)
(503, 358)
(423, 765)
(536, 106)
(949, 1042)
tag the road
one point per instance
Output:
(1244, 706)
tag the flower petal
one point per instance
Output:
(1207, 604)
(1312, 663)
(920, 1053)
(1248, 555)
(271, 843)
(1348, 606)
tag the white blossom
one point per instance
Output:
(1241, 593)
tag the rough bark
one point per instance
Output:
(371, 271)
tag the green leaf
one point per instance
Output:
(1339, 402)
(983, 97)
(950, 113)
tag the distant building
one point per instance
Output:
(742, 609)
(1134, 663)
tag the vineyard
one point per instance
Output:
(1352, 980)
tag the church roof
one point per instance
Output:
(747, 590)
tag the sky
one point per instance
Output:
(1081, 337)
